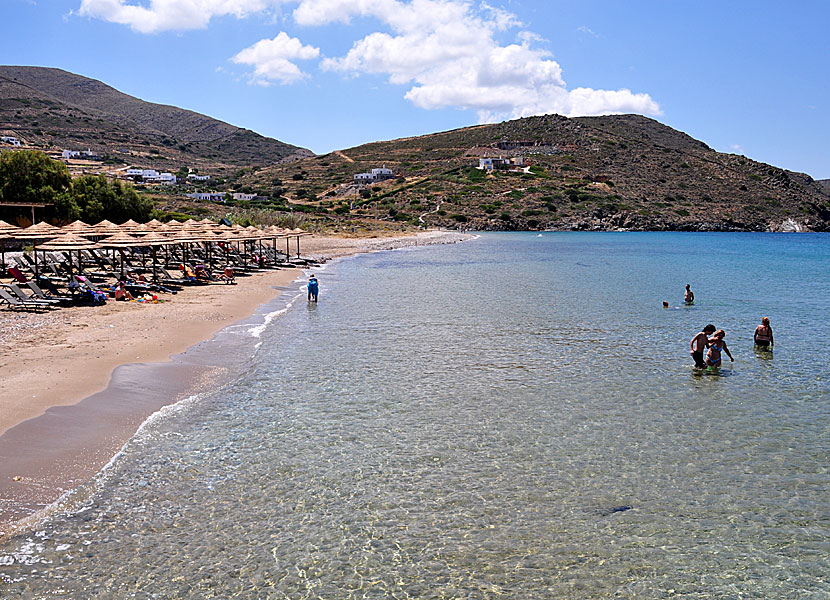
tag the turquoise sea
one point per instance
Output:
(514, 416)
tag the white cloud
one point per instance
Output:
(448, 52)
(272, 59)
(587, 31)
(163, 15)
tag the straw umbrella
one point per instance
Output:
(76, 227)
(299, 233)
(273, 233)
(153, 240)
(41, 231)
(120, 241)
(66, 242)
(6, 229)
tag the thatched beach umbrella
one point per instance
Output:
(299, 233)
(76, 227)
(41, 231)
(67, 242)
(153, 240)
(274, 233)
(120, 241)
(129, 225)
(6, 229)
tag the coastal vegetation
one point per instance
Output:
(30, 177)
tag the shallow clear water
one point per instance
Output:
(512, 417)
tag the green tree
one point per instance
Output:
(31, 176)
(99, 198)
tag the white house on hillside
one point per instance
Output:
(151, 176)
(488, 164)
(374, 175)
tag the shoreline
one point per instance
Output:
(79, 382)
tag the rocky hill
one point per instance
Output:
(612, 172)
(51, 108)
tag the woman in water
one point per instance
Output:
(716, 346)
(763, 334)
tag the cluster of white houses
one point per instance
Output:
(151, 176)
(85, 154)
(220, 196)
(8, 139)
(373, 176)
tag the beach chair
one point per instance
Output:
(17, 274)
(23, 297)
(12, 302)
(38, 293)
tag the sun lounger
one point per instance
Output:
(7, 298)
(38, 293)
(22, 296)
(17, 274)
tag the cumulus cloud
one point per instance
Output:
(448, 51)
(272, 59)
(163, 15)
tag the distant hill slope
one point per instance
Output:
(51, 107)
(611, 172)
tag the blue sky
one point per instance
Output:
(745, 77)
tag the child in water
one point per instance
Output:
(313, 288)
(716, 346)
(698, 345)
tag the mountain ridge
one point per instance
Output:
(57, 108)
(608, 172)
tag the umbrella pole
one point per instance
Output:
(121, 251)
(155, 276)
(287, 251)
(298, 246)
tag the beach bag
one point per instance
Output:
(96, 297)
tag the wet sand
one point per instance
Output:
(65, 405)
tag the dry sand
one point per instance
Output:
(59, 422)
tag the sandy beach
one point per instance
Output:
(51, 362)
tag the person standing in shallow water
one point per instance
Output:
(689, 296)
(716, 346)
(698, 345)
(763, 334)
(313, 288)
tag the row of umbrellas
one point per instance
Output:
(82, 236)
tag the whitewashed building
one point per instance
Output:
(373, 176)
(208, 196)
(151, 176)
(489, 164)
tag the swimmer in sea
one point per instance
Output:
(763, 334)
(689, 296)
(698, 345)
(716, 346)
